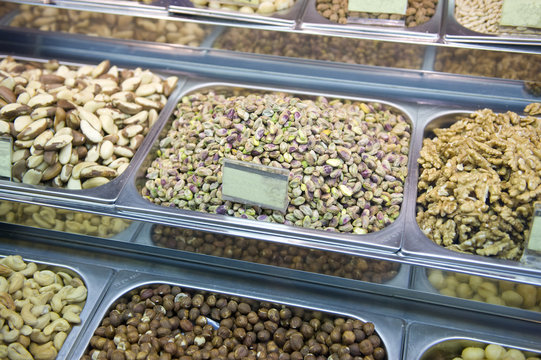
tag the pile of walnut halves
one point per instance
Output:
(478, 180)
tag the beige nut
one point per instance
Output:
(58, 141)
(90, 132)
(5, 128)
(21, 122)
(11, 111)
(57, 325)
(97, 170)
(45, 351)
(42, 99)
(123, 151)
(30, 269)
(5, 270)
(39, 337)
(76, 171)
(15, 320)
(5, 298)
(59, 339)
(42, 139)
(32, 177)
(33, 129)
(7, 94)
(43, 112)
(94, 182)
(16, 282)
(92, 119)
(16, 351)
(126, 107)
(44, 277)
(139, 118)
(132, 130)
(64, 156)
(8, 335)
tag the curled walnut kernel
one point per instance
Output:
(478, 180)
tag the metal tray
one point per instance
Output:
(420, 282)
(415, 242)
(285, 18)
(429, 31)
(401, 279)
(388, 328)
(96, 279)
(104, 195)
(427, 342)
(453, 31)
(131, 202)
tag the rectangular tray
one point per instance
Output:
(453, 31)
(104, 195)
(96, 279)
(421, 283)
(285, 18)
(428, 32)
(132, 202)
(401, 279)
(423, 340)
(415, 242)
(388, 328)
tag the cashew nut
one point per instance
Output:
(26, 330)
(30, 269)
(3, 284)
(77, 294)
(39, 337)
(3, 351)
(42, 298)
(5, 270)
(57, 325)
(7, 301)
(59, 339)
(16, 281)
(65, 277)
(46, 351)
(72, 317)
(14, 261)
(44, 277)
(15, 320)
(17, 352)
(52, 287)
(8, 336)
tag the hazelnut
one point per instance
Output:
(366, 347)
(186, 325)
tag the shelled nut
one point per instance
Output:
(347, 159)
(67, 127)
(38, 308)
(110, 25)
(289, 256)
(60, 219)
(163, 321)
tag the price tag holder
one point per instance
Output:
(524, 13)
(255, 184)
(379, 6)
(6, 149)
(532, 248)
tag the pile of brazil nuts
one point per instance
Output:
(262, 252)
(60, 219)
(347, 159)
(76, 128)
(417, 13)
(477, 183)
(110, 25)
(163, 322)
(38, 308)
(484, 16)
(259, 7)
(328, 48)
(492, 291)
(494, 352)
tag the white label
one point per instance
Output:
(255, 184)
(6, 149)
(379, 6)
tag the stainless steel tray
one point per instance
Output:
(401, 279)
(429, 31)
(285, 18)
(453, 31)
(132, 203)
(415, 242)
(424, 342)
(104, 195)
(389, 329)
(96, 279)
(419, 282)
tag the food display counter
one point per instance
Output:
(407, 157)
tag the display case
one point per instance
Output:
(408, 159)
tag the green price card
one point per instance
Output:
(254, 184)
(525, 13)
(379, 6)
(6, 149)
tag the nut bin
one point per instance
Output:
(479, 288)
(46, 217)
(212, 323)
(326, 48)
(276, 254)
(422, 20)
(110, 25)
(427, 342)
(416, 242)
(280, 13)
(498, 64)
(46, 323)
(478, 22)
(77, 128)
(376, 210)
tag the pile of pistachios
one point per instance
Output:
(347, 159)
